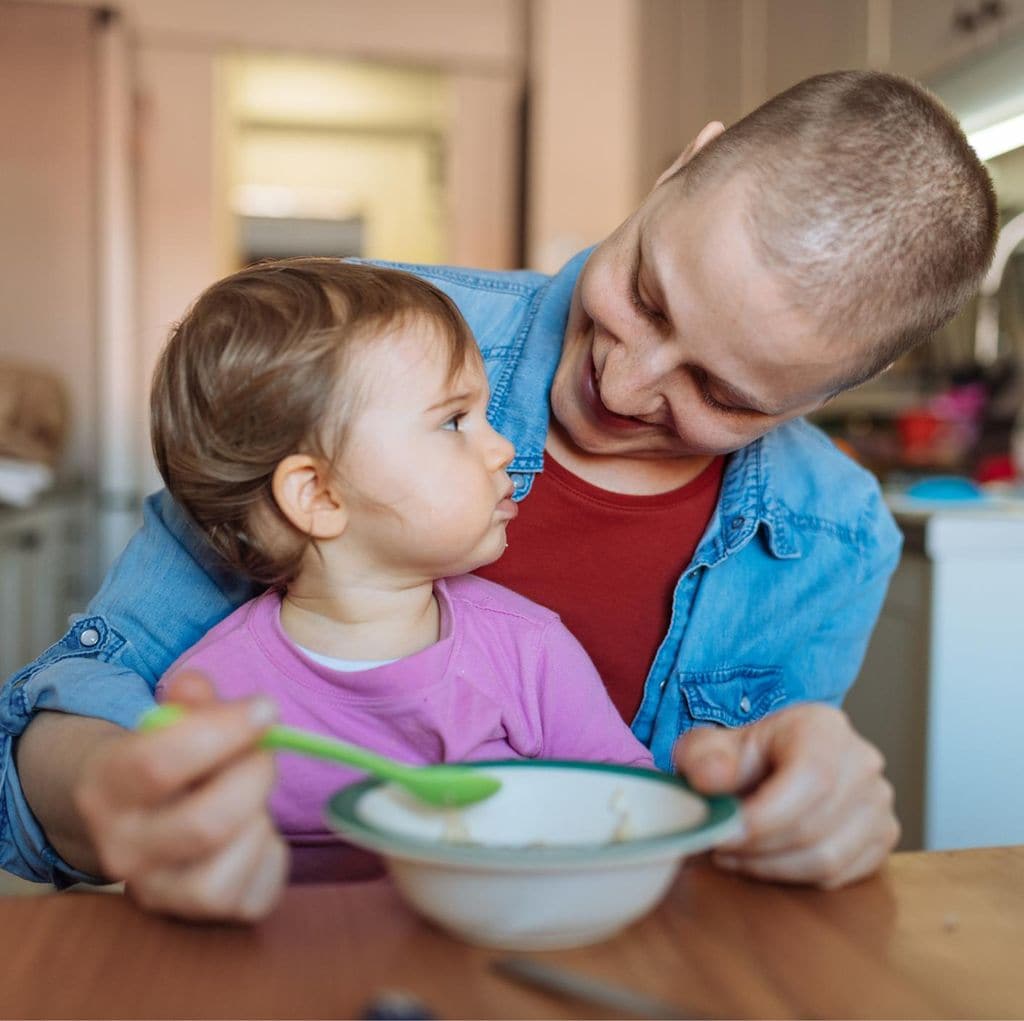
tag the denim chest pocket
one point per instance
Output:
(731, 697)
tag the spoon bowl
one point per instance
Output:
(443, 786)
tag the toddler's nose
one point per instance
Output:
(501, 451)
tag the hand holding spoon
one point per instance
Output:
(445, 786)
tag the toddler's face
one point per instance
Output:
(423, 473)
(681, 342)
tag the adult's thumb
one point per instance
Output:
(190, 688)
(709, 757)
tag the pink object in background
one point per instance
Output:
(942, 432)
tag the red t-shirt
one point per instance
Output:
(608, 564)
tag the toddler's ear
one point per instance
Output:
(309, 497)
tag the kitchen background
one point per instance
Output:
(150, 147)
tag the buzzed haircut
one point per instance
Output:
(866, 199)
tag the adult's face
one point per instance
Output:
(680, 342)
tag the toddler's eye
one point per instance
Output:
(452, 425)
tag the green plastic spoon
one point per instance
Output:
(448, 786)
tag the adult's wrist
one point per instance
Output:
(54, 757)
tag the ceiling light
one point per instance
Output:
(998, 138)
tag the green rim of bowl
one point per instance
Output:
(722, 822)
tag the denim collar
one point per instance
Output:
(537, 349)
(748, 501)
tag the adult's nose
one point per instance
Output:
(634, 376)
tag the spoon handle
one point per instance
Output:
(291, 739)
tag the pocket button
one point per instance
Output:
(89, 637)
(744, 705)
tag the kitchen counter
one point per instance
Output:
(941, 529)
(941, 691)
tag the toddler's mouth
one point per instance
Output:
(507, 507)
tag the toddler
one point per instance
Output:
(324, 424)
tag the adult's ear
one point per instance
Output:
(707, 133)
(309, 497)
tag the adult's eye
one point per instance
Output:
(647, 311)
(708, 398)
(710, 401)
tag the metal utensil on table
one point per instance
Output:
(573, 985)
(396, 1005)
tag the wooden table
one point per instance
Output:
(935, 935)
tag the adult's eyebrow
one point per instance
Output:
(742, 400)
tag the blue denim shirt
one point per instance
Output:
(775, 608)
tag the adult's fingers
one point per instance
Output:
(191, 688)
(872, 857)
(148, 768)
(266, 881)
(818, 810)
(240, 883)
(230, 883)
(193, 826)
(802, 804)
(806, 777)
(852, 851)
(822, 769)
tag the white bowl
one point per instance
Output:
(564, 854)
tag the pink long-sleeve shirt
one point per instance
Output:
(506, 679)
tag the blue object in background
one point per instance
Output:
(947, 489)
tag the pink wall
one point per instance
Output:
(47, 192)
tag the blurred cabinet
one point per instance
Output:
(927, 36)
(751, 50)
(807, 37)
(44, 560)
(941, 692)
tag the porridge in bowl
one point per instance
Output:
(565, 853)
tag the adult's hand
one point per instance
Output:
(180, 814)
(816, 806)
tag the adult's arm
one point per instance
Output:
(50, 757)
(180, 815)
(163, 593)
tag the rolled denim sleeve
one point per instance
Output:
(160, 597)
